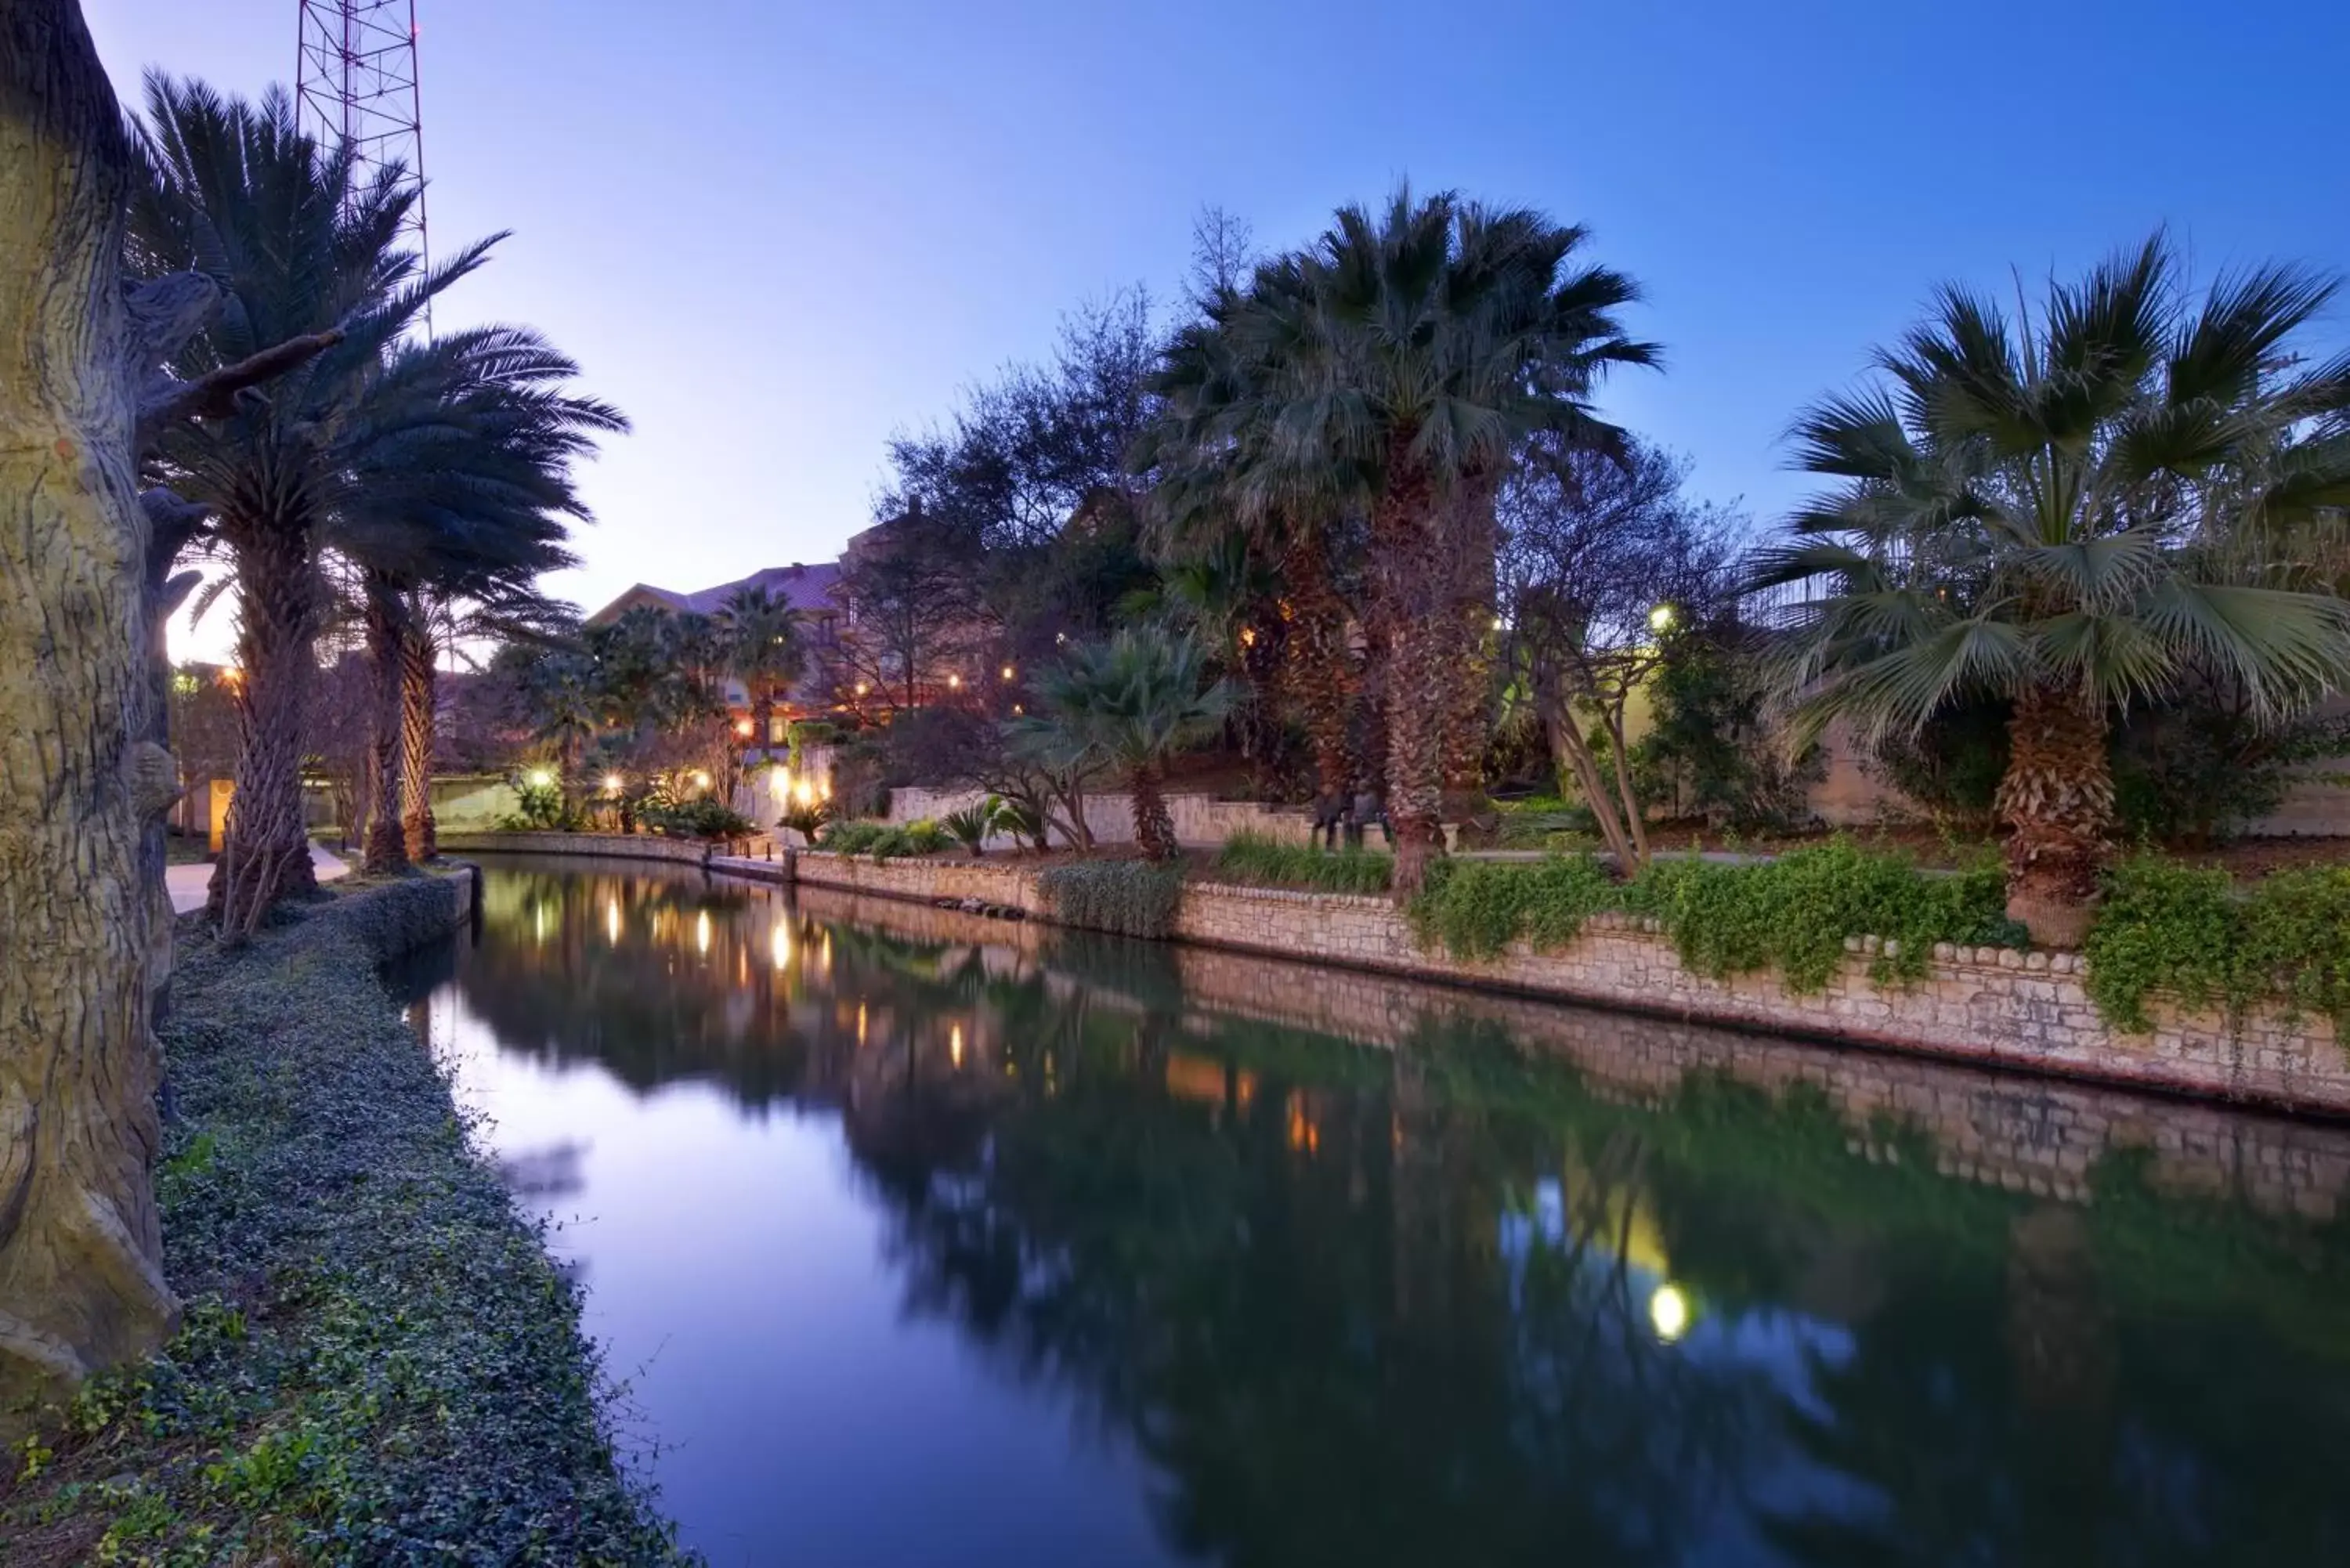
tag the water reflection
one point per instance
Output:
(940, 1239)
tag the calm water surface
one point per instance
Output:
(925, 1239)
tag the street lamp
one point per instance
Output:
(540, 779)
(612, 783)
(1661, 619)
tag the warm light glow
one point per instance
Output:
(612, 921)
(1661, 619)
(954, 1045)
(783, 944)
(807, 793)
(1248, 636)
(1017, 709)
(782, 780)
(540, 778)
(701, 932)
(862, 688)
(1497, 623)
(1669, 1312)
(1007, 672)
(232, 675)
(823, 790)
(954, 682)
(742, 727)
(701, 779)
(860, 1024)
(612, 784)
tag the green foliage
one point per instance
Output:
(1709, 751)
(542, 807)
(1791, 914)
(1953, 766)
(378, 1361)
(701, 818)
(883, 841)
(1129, 898)
(2187, 934)
(806, 818)
(1250, 858)
(972, 825)
(1475, 908)
(2196, 769)
(852, 837)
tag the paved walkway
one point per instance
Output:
(188, 883)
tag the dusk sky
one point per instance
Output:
(775, 233)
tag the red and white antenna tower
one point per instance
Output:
(355, 82)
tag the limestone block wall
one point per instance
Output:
(1202, 821)
(614, 846)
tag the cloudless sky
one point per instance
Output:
(775, 232)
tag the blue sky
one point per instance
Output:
(775, 233)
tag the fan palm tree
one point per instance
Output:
(764, 649)
(2069, 514)
(300, 240)
(1132, 701)
(1390, 371)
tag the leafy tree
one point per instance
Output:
(2071, 514)
(1132, 703)
(1605, 569)
(908, 589)
(1391, 370)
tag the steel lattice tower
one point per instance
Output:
(355, 82)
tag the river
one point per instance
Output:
(918, 1237)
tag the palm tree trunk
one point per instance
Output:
(1320, 671)
(1414, 581)
(1154, 829)
(265, 855)
(417, 681)
(386, 851)
(81, 1282)
(2057, 801)
(1474, 546)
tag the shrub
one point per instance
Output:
(540, 808)
(920, 836)
(2185, 933)
(1251, 859)
(1475, 908)
(1130, 898)
(972, 825)
(1792, 914)
(698, 818)
(806, 818)
(852, 837)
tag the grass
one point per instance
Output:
(379, 1363)
(1255, 861)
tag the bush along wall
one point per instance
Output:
(1792, 914)
(2284, 944)
(379, 1363)
(1129, 898)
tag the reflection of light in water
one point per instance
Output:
(701, 932)
(612, 922)
(1669, 1312)
(538, 924)
(823, 956)
(783, 944)
(860, 1024)
(954, 1045)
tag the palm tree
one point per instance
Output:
(1133, 701)
(764, 651)
(474, 503)
(299, 242)
(440, 620)
(1390, 371)
(2069, 515)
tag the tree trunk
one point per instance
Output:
(1570, 751)
(1320, 670)
(1471, 550)
(1154, 829)
(416, 713)
(81, 1282)
(1408, 544)
(385, 852)
(2057, 800)
(265, 853)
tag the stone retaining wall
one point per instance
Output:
(1996, 1007)
(1201, 821)
(616, 845)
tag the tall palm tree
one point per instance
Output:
(2068, 513)
(1134, 701)
(440, 620)
(300, 240)
(1391, 370)
(764, 651)
(475, 504)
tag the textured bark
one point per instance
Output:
(1319, 670)
(1471, 550)
(1154, 829)
(2057, 801)
(265, 853)
(81, 1283)
(418, 694)
(1415, 582)
(386, 851)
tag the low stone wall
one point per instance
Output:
(1201, 821)
(1996, 1007)
(616, 845)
